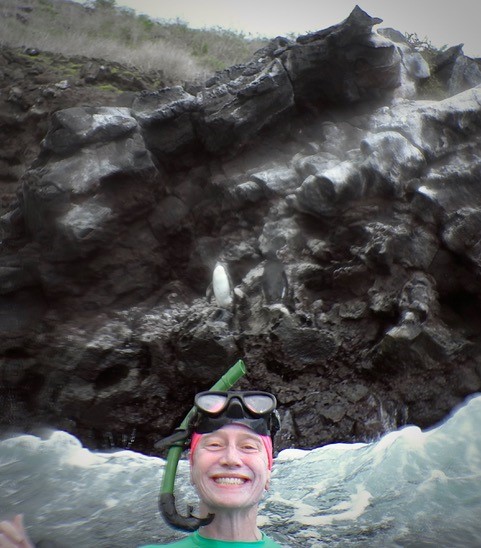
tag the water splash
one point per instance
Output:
(398, 491)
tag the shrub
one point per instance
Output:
(432, 88)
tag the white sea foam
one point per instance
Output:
(398, 491)
(344, 511)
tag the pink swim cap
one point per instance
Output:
(266, 440)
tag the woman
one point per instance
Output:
(231, 459)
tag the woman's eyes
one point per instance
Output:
(214, 444)
(248, 447)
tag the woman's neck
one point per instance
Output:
(233, 525)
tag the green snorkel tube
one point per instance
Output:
(176, 444)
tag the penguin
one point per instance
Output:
(275, 285)
(222, 286)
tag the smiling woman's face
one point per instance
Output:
(229, 468)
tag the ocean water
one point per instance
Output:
(412, 488)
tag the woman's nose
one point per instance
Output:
(231, 457)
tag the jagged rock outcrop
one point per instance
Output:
(319, 152)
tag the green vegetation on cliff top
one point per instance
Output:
(102, 30)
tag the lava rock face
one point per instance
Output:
(318, 157)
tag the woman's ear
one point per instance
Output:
(268, 481)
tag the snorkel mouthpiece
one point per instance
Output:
(166, 498)
(184, 523)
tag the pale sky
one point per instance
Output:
(450, 23)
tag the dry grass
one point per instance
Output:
(114, 34)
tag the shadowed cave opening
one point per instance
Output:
(111, 376)
(462, 310)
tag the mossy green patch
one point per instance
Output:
(108, 87)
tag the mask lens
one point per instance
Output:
(259, 404)
(211, 403)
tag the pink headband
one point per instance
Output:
(266, 440)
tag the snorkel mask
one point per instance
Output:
(256, 410)
(212, 410)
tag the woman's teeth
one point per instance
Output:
(230, 481)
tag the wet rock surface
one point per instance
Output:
(345, 207)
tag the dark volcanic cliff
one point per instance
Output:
(318, 161)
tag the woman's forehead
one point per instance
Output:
(238, 430)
